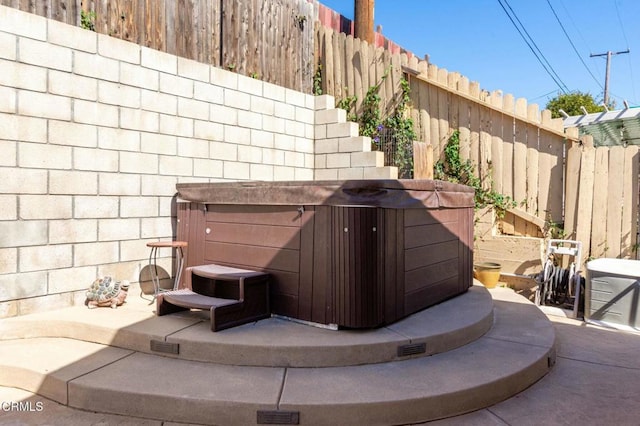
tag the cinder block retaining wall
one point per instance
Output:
(95, 132)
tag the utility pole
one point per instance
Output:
(364, 20)
(606, 77)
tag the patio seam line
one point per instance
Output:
(497, 416)
(181, 329)
(599, 363)
(399, 334)
(68, 382)
(281, 390)
(521, 343)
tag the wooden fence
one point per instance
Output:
(270, 40)
(602, 199)
(517, 149)
(350, 66)
(520, 151)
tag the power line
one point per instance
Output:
(624, 34)
(575, 27)
(597, 71)
(550, 69)
(529, 41)
(543, 96)
(573, 45)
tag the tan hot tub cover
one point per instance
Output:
(390, 193)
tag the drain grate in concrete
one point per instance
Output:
(165, 347)
(275, 417)
(412, 349)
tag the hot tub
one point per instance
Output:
(356, 254)
(613, 293)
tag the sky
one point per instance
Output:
(477, 39)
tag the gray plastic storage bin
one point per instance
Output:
(613, 293)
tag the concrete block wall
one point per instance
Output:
(95, 132)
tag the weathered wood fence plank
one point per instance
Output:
(585, 195)
(349, 68)
(424, 120)
(599, 222)
(359, 83)
(507, 146)
(474, 121)
(464, 120)
(615, 201)
(497, 142)
(432, 76)
(532, 160)
(485, 159)
(338, 59)
(572, 182)
(443, 114)
(629, 243)
(520, 153)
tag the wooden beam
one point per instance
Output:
(363, 23)
(517, 255)
(533, 219)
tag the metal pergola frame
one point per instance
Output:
(609, 128)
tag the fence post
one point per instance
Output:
(572, 182)
(585, 195)
(422, 160)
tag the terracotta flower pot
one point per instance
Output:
(488, 273)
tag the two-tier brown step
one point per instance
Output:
(232, 296)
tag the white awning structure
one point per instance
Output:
(621, 127)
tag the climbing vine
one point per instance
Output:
(403, 131)
(317, 81)
(453, 169)
(397, 125)
(371, 117)
(348, 104)
(88, 20)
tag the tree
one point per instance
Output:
(571, 103)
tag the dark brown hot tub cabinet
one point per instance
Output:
(357, 254)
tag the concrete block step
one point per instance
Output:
(269, 342)
(517, 351)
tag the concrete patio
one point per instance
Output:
(595, 379)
